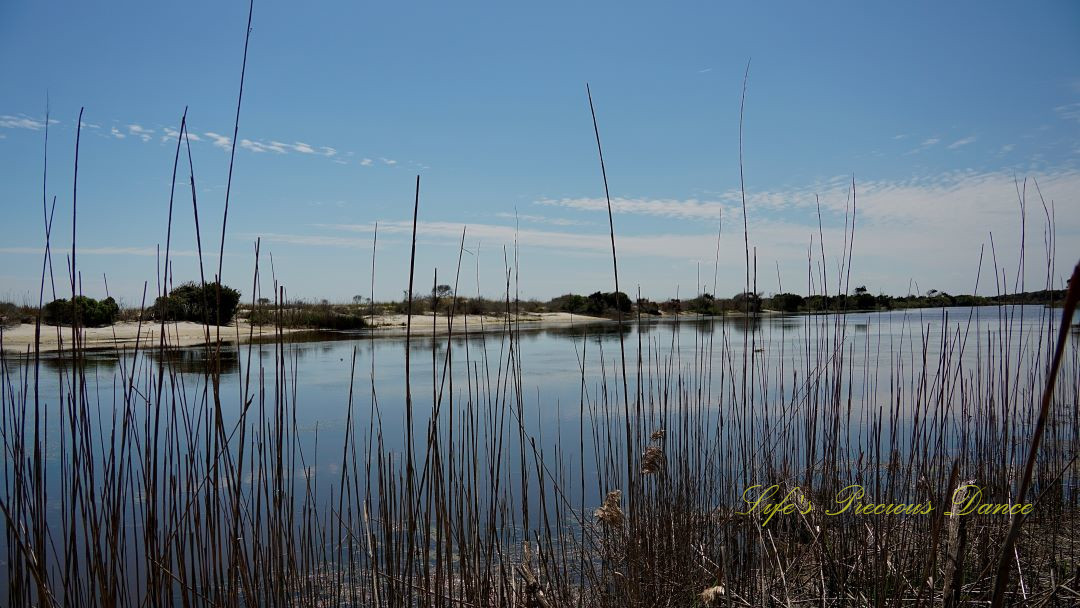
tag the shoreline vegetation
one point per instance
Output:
(180, 334)
(432, 315)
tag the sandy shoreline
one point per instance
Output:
(20, 338)
(126, 334)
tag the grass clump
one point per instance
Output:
(309, 316)
(12, 314)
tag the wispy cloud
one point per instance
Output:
(497, 233)
(1070, 112)
(259, 147)
(20, 122)
(962, 142)
(939, 198)
(540, 219)
(219, 141)
(919, 221)
(140, 132)
(311, 240)
(678, 209)
(926, 144)
(279, 147)
(171, 135)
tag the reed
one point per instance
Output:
(166, 491)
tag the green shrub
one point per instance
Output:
(81, 310)
(705, 304)
(213, 304)
(787, 302)
(603, 302)
(747, 302)
(570, 302)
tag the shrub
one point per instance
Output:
(704, 304)
(865, 301)
(599, 303)
(672, 306)
(603, 302)
(747, 302)
(787, 302)
(647, 307)
(570, 302)
(81, 310)
(212, 303)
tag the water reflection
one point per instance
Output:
(90, 363)
(198, 360)
(194, 360)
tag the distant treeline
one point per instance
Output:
(192, 302)
(860, 300)
(602, 303)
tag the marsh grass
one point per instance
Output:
(308, 315)
(161, 494)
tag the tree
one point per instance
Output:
(438, 294)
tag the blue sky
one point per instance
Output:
(934, 108)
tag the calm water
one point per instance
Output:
(567, 375)
(560, 368)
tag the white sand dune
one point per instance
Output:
(20, 338)
(127, 334)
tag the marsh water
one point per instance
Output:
(563, 371)
(548, 388)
